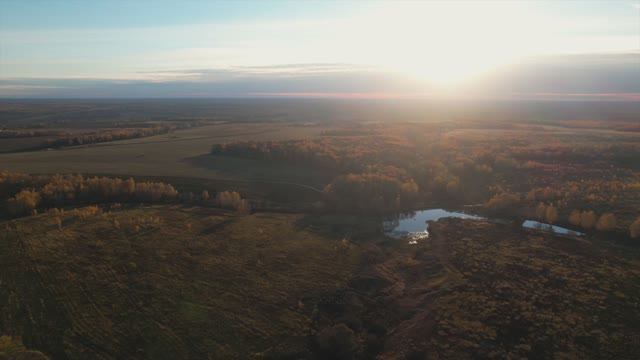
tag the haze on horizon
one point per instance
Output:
(473, 49)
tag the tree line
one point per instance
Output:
(25, 194)
(509, 203)
(109, 135)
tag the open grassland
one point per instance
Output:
(167, 282)
(177, 154)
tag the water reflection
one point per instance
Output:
(532, 224)
(415, 226)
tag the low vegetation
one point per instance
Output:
(175, 282)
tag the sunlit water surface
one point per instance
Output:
(415, 226)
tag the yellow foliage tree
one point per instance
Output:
(574, 218)
(551, 214)
(588, 219)
(607, 222)
(541, 211)
(25, 202)
(503, 201)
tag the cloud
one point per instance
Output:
(577, 77)
(229, 82)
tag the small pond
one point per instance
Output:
(536, 225)
(415, 226)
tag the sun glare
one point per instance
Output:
(446, 44)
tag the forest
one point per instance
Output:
(393, 168)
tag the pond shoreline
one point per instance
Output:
(415, 226)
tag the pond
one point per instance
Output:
(536, 225)
(415, 226)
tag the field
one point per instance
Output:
(193, 282)
(190, 282)
(176, 154)
(500, 292)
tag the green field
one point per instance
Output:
(184, 154)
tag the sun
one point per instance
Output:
(445, 43)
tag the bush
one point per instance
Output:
(336, 342)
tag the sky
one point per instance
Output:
(354, 49)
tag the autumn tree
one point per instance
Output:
(25, 202)
(371, 192)
(453, 185)
(503, 201)
(551, 214)
(232, 200)
(541, 211)
(588, 219)
(574, 218)
(607, 222)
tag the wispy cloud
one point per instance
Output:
(589, 77)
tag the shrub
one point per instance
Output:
(336, 342)
(9, 346)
